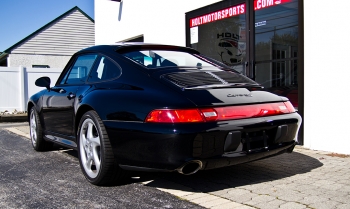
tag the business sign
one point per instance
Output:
(233, 11)
(218, 15)
(261, 4)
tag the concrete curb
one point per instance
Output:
(18, 132)
(14, 118)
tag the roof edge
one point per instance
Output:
(3, 56)
(37, 31)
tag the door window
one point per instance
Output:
(80, 70)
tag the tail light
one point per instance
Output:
(175, 116)
(219, 113)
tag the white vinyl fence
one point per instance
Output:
(17, 84)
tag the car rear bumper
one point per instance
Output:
(167, 147)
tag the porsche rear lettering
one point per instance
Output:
(239, 95)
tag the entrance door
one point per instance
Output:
(275, 48)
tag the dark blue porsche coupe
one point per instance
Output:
(158, 108)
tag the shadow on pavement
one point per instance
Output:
(274, 168)
(270, 169)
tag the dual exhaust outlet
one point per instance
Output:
(190, 167)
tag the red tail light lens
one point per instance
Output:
(219, 113)
(175, 116)
(251, 111)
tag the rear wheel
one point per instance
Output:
(95, 152)
(36, 133)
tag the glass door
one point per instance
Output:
(276, 46)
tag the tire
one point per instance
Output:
(36, 133)
(95, 153)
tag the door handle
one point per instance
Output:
(62, 91)
(71, 95)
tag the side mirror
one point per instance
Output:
(43, 82)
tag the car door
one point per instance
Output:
(58, 103)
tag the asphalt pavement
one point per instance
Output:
(303, 179)
(30, 179)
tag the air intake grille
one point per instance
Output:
(194, 79)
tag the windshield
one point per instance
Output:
(162, 58)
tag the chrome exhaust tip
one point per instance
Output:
(190, 167)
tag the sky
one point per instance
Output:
(20, 18)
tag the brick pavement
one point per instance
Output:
(303, 179)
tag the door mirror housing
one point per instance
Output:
(43, 82)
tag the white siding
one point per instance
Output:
(65, 36)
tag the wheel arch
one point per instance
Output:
(29, 107)
(81, 111)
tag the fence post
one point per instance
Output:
(22, 87)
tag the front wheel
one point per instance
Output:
(36, 133)
(95, 152)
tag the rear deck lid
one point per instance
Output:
(208, 87)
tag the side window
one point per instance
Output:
(80, 70)
(105, 70)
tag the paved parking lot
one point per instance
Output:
(302, 179)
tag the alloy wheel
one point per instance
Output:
(33, 128)
(90, 145)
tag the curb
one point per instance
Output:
(18, 132)
(14, 118)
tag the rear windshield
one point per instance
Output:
(162, 58)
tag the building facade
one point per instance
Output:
(279, 43)
(52, 45)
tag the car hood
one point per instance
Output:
(210, 86)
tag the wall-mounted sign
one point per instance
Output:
(261, 23)
(194, 35)
(233, 11)
(218, 15)
(261, 4)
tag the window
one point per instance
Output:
(106, 70)
(79, 71)
(163, 58)
(40, 66)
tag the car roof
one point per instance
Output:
(132, 46)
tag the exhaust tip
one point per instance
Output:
(190, 167)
